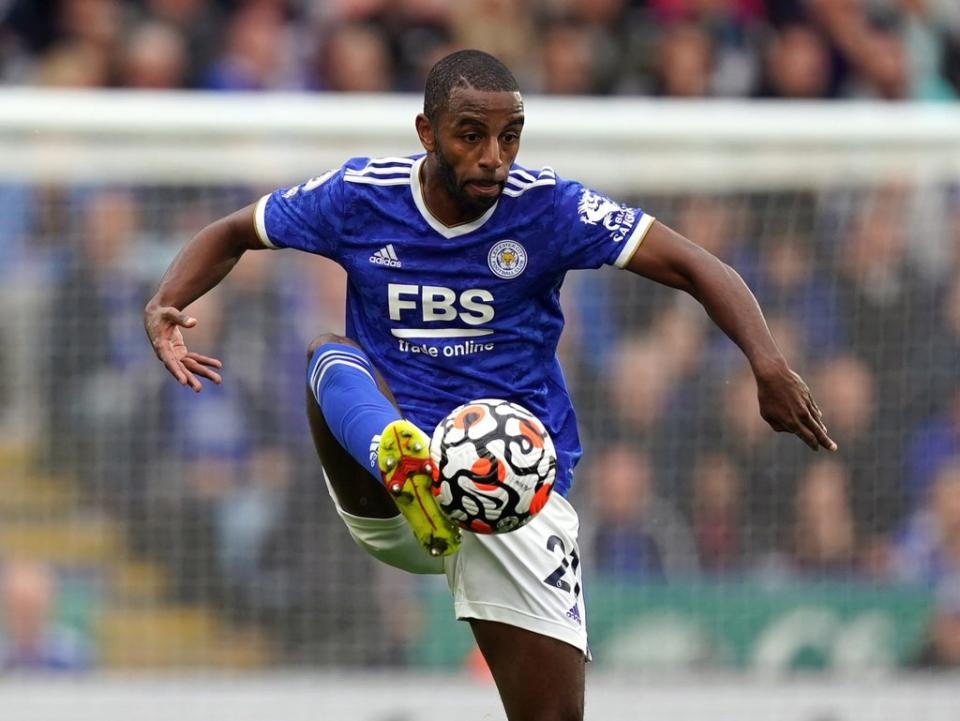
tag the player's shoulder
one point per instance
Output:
(379, 172)
(530, 184)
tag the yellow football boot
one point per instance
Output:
(407, 471)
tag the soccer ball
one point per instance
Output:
(495, 465)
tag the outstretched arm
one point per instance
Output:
(199, 266)
(785, 401)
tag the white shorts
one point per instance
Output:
(528, 578)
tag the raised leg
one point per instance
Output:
(539, 678)
(358, 492)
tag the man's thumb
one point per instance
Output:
(182, 319)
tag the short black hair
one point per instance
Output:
(464, 69)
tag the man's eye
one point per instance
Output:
(511, 137)
(471, 137)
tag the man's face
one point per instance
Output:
(475, 141)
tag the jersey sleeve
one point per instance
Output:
(594, 230)
(306, 217)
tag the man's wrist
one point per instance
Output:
(767, 365)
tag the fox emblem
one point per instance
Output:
(595, 208)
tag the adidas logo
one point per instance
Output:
(386, 256)
(374, 450)
(574, 614)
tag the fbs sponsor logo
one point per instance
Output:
(386, 256)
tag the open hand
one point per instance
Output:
(787, 405)
(163, 325)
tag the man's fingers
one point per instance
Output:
(195, 366)
(173, 365)
(814, 428)
(177, 369)
(823, 439)
(808, 437)
(205, 360)
(819, 429)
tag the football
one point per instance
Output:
(495, 465)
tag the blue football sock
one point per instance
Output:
(343, 382)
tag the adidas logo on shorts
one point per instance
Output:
(386, 256)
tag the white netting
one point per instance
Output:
(189, 531)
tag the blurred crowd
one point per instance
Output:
(681, 478)
(895, 49)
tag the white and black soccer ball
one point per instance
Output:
(495, 465)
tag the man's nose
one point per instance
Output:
(491, 155)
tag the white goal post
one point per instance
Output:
(610, 143)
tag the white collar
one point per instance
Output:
(447, 231)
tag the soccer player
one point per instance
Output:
(455, 259)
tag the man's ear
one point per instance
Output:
(425, 130)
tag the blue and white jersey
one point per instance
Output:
(452, 314)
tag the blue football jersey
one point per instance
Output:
(453, 314)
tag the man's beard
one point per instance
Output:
(449, 180)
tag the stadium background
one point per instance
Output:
(144, 530)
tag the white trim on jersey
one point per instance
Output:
(523, 175)
(375, 170)
(439, 332)
(372, 180)
(391, 160)
(446, 231)
(260, 222)
(515, 192)
(634, 241)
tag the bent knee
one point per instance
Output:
(327, 338)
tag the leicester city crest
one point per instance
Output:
(507, 259)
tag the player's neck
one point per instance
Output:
(440, 202)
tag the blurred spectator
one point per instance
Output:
(635, 533)
(848, 398)
(684, 63)
(224, 469)
(717, 512)
(154, 58)
(942, 646)
(886, 308)
(770, 461)
(640, 384)
(790, 284)
(95, 344)
(797, 65)
(356, 59)
(504, 28)
(30, 638)
(568, 60)
(73, 64)
(823, 541)
(930, 30)
(197, 22)
(870, 58)
(928, 549)
(256, 51)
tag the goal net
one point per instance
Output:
(157, 529)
